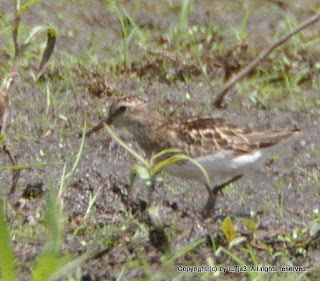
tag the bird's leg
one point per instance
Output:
(209, 208)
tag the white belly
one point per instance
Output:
(218, 167)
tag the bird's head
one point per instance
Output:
(128, 111)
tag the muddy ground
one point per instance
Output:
(87, 72)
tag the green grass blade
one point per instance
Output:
(92, 200)
(190, 247)
(7, 261)
(126, 147)
(167, 162)
(185, 12)
(176, 158)
(62, 181)
(136, 29)
(76, 162)
(164, 152)
(50, 267)
(240, 262)
(5, 21)
(244, 24)
(252, 254)
(54, 222)
(114, 8)
(69, 265)
(32, 35)
(28, 4)
(47, 266)
(22, 167)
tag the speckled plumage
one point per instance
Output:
(194, 136)
(226, 151)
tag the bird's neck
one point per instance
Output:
(149, 132)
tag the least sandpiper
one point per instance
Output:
(224, 150)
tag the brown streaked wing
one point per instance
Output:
(254, 140)
(199, 137)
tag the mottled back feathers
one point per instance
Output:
(195, 136)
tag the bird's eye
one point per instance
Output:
(122, 108)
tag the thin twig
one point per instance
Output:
(15, 173)
(4, 101)
(221, 96)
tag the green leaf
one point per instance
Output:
(142, 172)
(51, 42)
(228, 229)
(237, 242)
(250, 224)
(7, 261)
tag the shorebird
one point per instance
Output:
(224, 150)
